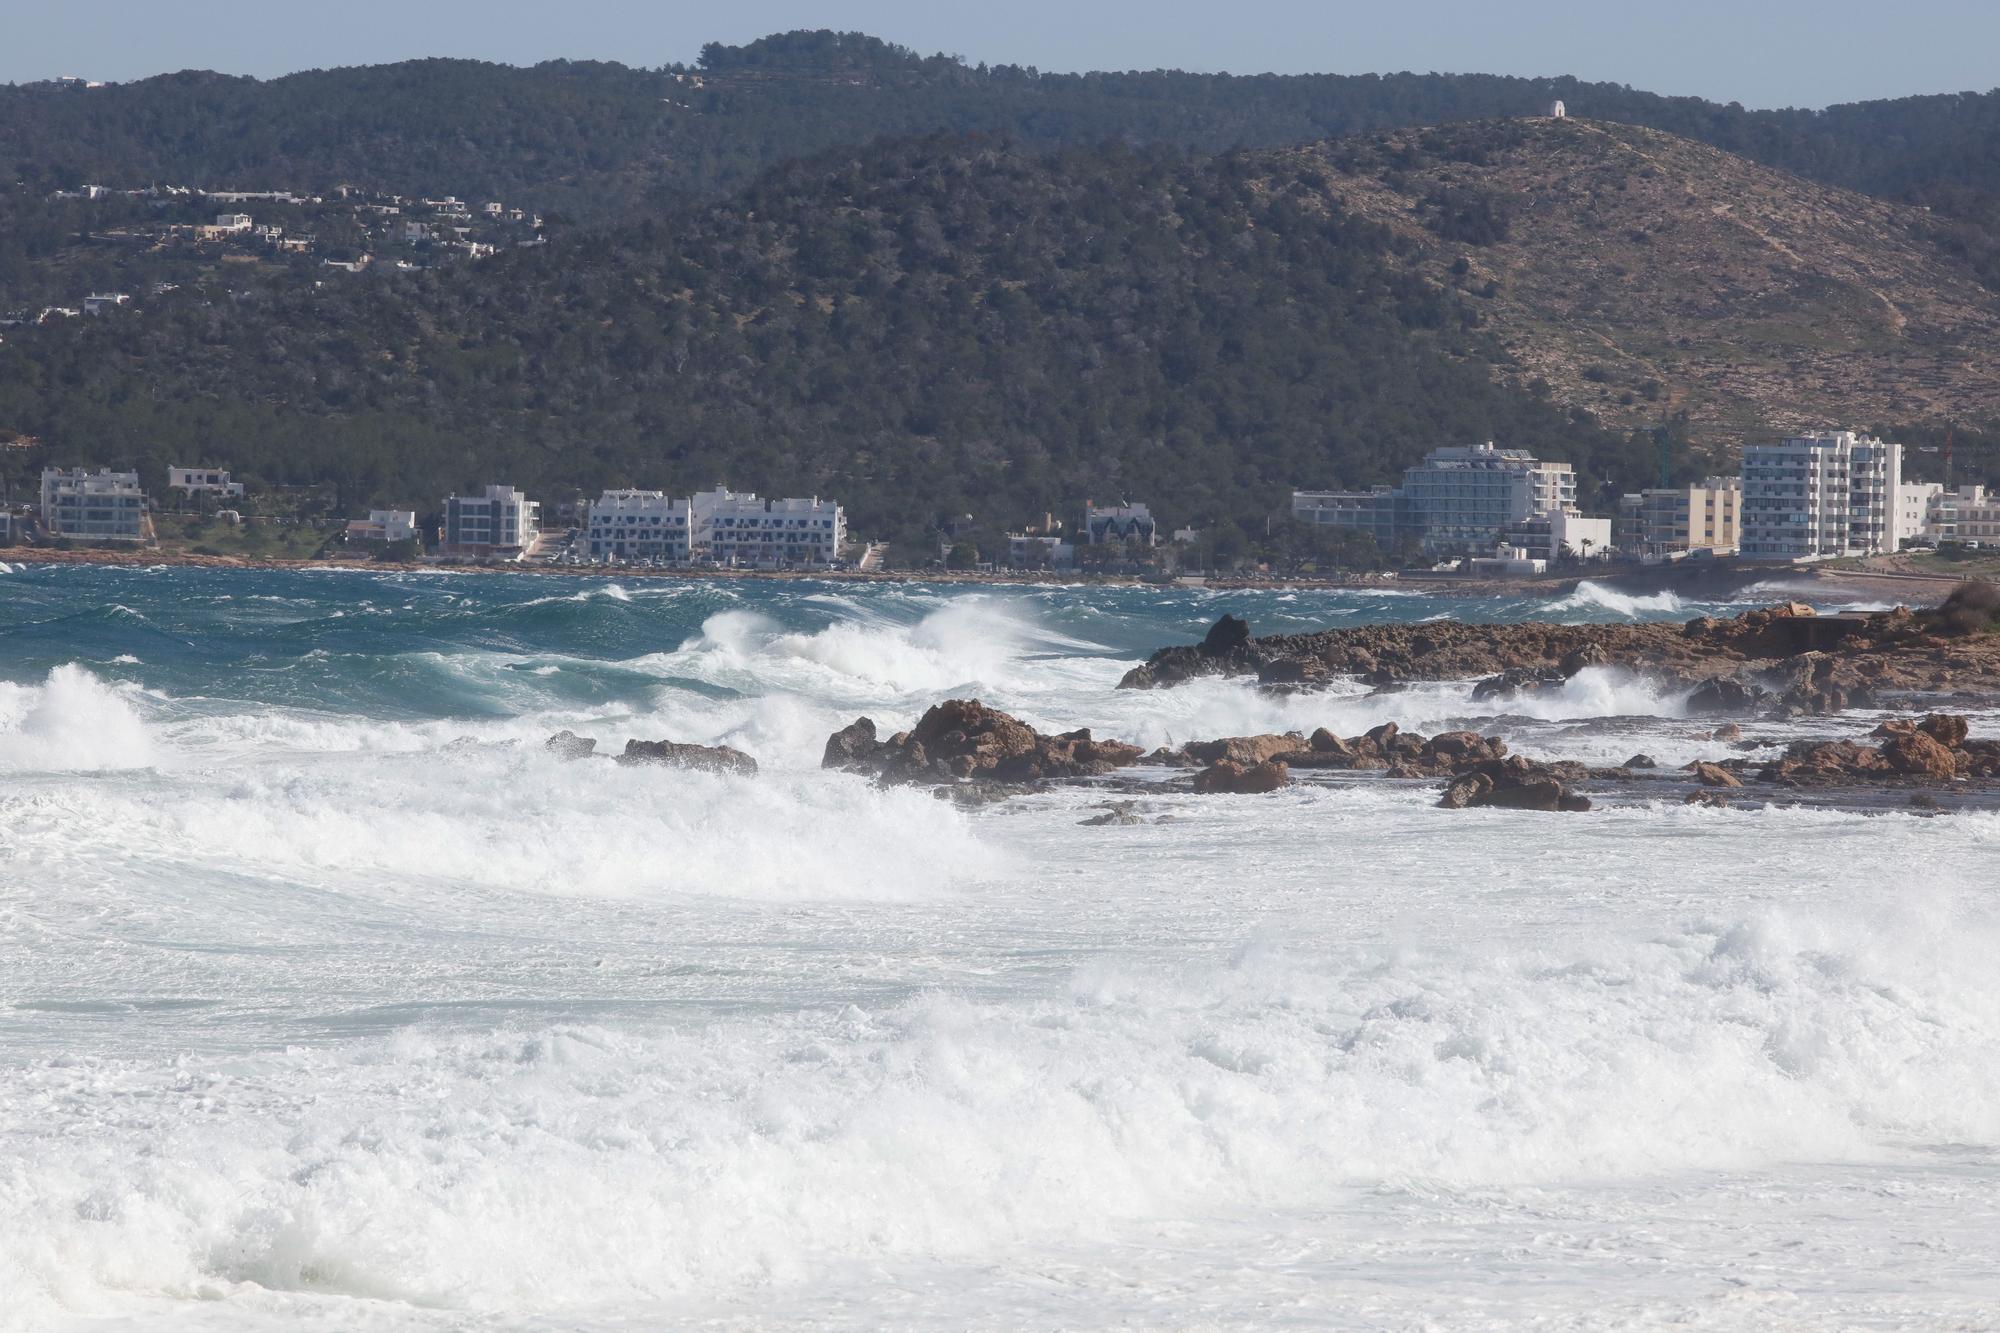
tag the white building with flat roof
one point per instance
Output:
(384, 525)
(1817, 497)
(100, 506)
(733, 528)
(1461, 498)
(631, 525)
(499, 521)
(202, 480)
(1916, 510)
(1968, 514)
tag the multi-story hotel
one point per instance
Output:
(722, 526)
(633, 525)
(1458, 499)
(101, 506)
(1815, 497)
(500, 521)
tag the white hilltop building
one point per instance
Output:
(1557, 111)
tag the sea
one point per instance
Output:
(331, 1000)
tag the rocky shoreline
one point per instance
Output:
(1781, 661)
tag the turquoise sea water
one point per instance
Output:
(329, 999)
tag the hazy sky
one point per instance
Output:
(1758, 52)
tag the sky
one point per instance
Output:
(1761, 53)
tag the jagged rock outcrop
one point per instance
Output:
(1227, 776)
(1404, 754)
(701, 758)
(1514, 783)
(1782, 660)
(1934, 749)
(963, 740)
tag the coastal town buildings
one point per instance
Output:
(1559, 534)
(1816, 497)
(1459, 499)
(499, 522)
(721, 526)
(384, 525)
(202, 481)
(1968, 514)
(101, 506)
(1916, 511)
(1122, 522)
(631, 525)
(1669, 522)
(740, 529)
(6, 528)
(1036, 550)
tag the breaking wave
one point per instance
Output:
(72, 721)
(1589, 596)
(530, 1168)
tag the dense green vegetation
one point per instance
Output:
(603, 140)
(925, 328)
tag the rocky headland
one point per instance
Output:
(1776, 661)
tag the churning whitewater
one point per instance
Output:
(329, 997)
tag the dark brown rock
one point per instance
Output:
(1226, 776)
(701, 758)
(1713, 775)
(853, 746)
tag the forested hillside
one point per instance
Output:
(603, 140)
(922, 328)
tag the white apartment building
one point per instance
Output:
(1968, 514)
(1815, 497)
(384, 525)
(1916, 506)
(200, 480)
(101, 506)
(1459, 499)
(639, 525)
(1122, 522)
(500, 521)
(740, 529)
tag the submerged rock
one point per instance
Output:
(569, 745)
(701, 758)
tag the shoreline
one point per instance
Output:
(1702, 583)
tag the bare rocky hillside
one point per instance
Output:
(1639, 273)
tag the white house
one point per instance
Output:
(1816, 497)
(203, 480)
(500, 521)
(97, 305)
(95, 506)
(384, 525)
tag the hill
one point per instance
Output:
(1637, 274)
(601, 141)
(921, 328)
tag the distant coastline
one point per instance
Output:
(1890, 585)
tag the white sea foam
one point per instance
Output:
(72, 720)
(1589, 596)
(591, 1167)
